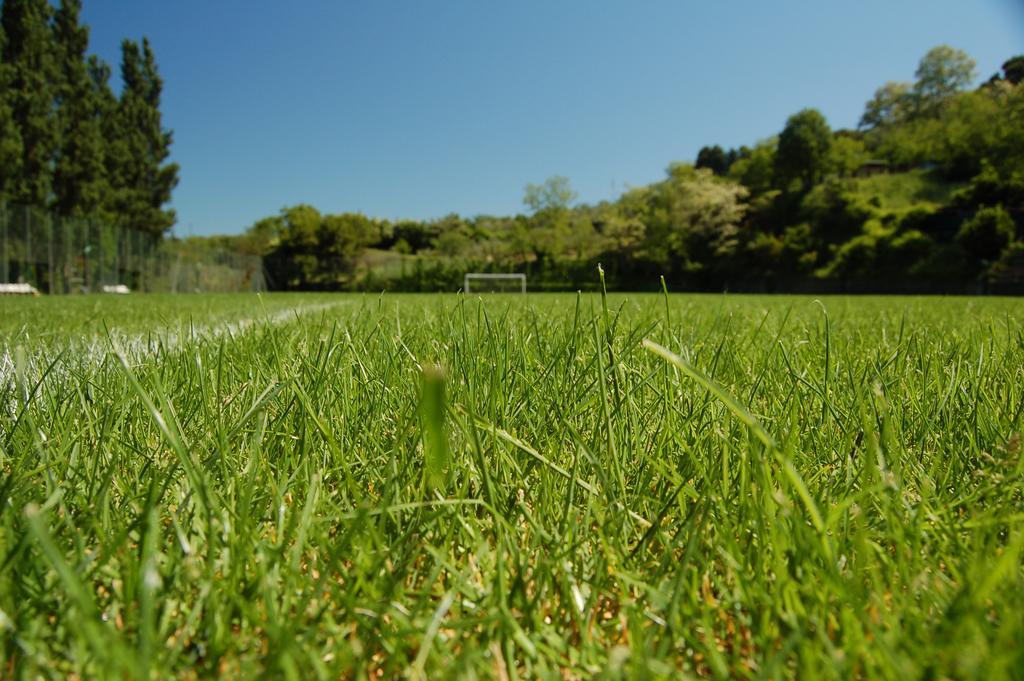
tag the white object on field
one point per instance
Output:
(116, 288)
(18, 290)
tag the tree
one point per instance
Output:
(974, 126)
(79, 177)
(703, 215)
(987, 234)
(621, 234)
(340, 238)
(991, 187)
(314, 251)
(712, 158)
(755, 168)
(554, 194)
(891, 104)
(116, 153)
(835, 213)
(294, 263)
(142, 180)
(878, 250)
(29, 55)
(803, 151)
(262, 236)
(549, 226)
(1013, 70)
(977, 126)
(847, 155)
(10, 136)
(452, 235)
(416, 236)
(1011, 73)
(941, 73)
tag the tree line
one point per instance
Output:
(68, 143)
(926, 194)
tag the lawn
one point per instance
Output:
(902, 191)
(372, 486)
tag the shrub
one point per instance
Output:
(837, 213)
(1009, 269)
(987, 234)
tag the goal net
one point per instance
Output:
(494, 283)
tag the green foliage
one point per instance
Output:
(835, 212)
(992, 186)
(958, 131)
(908, 145)
(703, 213)
(453, 236)
(262, 236)
(143, 181)
(79, 182)
(987, 233)
(975, 126)
(799, 248)
(10, 135)
(879, 251)
(29, 54)
(1013, 70)
(417, 236)
(1005, 144)
(847, 154)
(804, 148)
(314, 251)
(555, 194)
(858, 256)
(550, 224)
(891, 104)
(67, 144)
(755, 168)
(941, 73)
(1009, 269)
(771, 262)
(714, 159)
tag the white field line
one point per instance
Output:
(136, 348)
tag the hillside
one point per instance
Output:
(906, 190)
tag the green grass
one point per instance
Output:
(60, 320)
(901, 191)
(550, 486)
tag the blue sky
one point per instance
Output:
(417, 109)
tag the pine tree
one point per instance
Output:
(29, 55)
(10, 136)
(162, 177)
(79, 178)
(115, 150)
(142, 179)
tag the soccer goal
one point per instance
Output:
(476, 282)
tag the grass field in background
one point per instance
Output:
(910, 189)
(366, 486)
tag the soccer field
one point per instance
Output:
(371, 486)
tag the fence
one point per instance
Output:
(72, 255)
